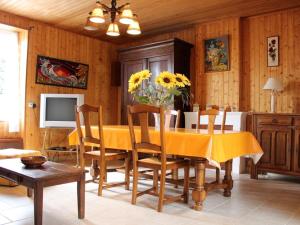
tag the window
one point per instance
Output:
(12, 76)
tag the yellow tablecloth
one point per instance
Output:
(216, 148)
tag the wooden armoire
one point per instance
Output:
(170, 55)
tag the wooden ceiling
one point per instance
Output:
(155, 16)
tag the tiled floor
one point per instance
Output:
(272, 200)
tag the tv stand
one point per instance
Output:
(57, 151)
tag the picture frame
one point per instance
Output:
(58, 72)
(217, 57)
(273, 51)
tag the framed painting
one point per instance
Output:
(273, 51)
(51, 71)
(216, 54)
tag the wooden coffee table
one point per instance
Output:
(49, 174)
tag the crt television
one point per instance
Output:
(58, 110)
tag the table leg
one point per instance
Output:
(81, 196)
(199, 193)
(94, 170)
(29, 192)
(228, 179)
(38, 204)
(253, 170)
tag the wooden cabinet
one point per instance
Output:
(171, 55)
(279, 136)
(296, 146)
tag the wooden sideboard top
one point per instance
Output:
(274, 114)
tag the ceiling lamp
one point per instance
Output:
(126, 16)
(123, 12)
(134, 27)
(90, 25)
(97, 15)
(113, 30)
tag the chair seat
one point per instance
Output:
(108, 155)
(155, 163)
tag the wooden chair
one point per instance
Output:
(160, 163)
(212, 113)
(101, 156)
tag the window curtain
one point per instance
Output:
(12, 78)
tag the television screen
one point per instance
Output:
(60, 109)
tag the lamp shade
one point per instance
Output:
(90, 25)
(97, 15)
(273, 84)
(113, 30)
(134, 28)
(126, 16)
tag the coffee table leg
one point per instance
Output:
(38, 204)
(81, 196)
(228, 179)
(199, 193)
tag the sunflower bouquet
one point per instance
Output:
(159, 90)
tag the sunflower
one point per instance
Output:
(145, 74)
(182, 80)
(166, 79)
(134, 82)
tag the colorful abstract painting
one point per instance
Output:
(216, 54)
(59, 72)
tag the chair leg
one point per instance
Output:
(162, 190)
(155, 181)
(217, 175)
(127, 171)
(186, 184)
(101, 177)
(175, 177)
(134, 183)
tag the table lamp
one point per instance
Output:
(275, 86)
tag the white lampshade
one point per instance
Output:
(134, 28)
(90, 25)
(126, 16)
(113, 30)
(97, 15)
(273, 84)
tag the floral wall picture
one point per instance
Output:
(273, 51)
(51, 71)
(216, 54)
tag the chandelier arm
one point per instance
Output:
(105, 7)
(122, 6)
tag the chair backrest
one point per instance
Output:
(176, 114)
(143, 112)
(212, 113)
(86, 111)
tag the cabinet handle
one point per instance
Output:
(274, 120)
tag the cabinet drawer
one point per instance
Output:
(273, 120)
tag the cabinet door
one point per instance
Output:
(282, 148)
(159, 64)
(128, 68)
(276, 144)
(296, 149)
(265, 138)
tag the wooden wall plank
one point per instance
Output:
(57, 43)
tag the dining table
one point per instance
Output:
(202, 146)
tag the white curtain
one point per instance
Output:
(11, 87)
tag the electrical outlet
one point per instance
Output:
(31, 104)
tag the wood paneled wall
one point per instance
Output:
(242, 85)
(57, 43)
(218, 88)
(286, 25)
